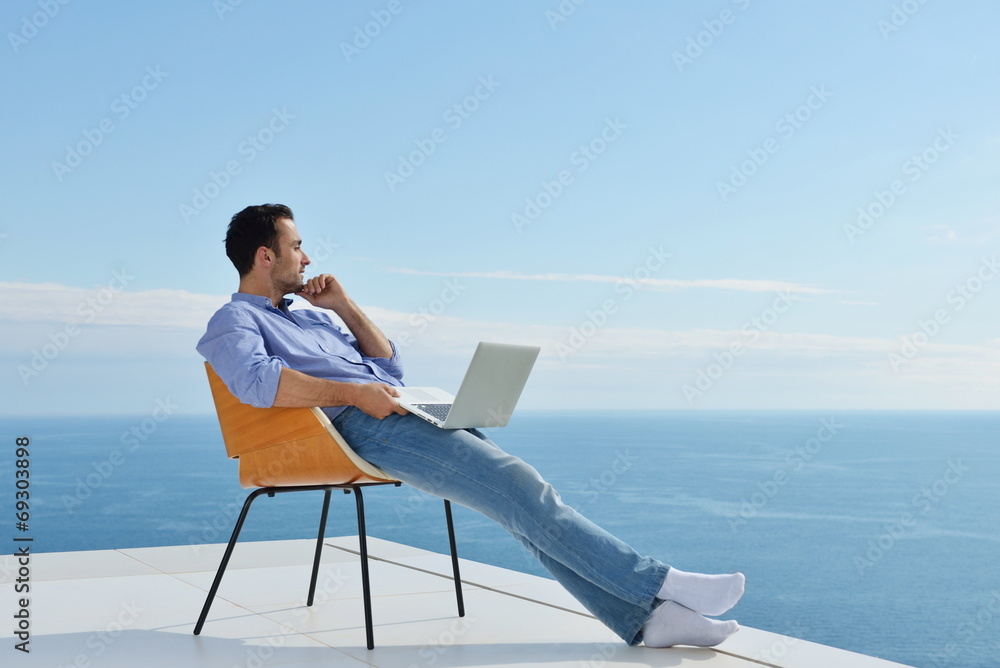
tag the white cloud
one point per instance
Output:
(637, 367)
(942, 234)
(106, 305)
(41, 303)
(663, 284)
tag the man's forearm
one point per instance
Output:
(371, 340)
(296, 389)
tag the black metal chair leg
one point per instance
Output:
(225, 558)
(454, 559)
(363, 541)
(319, 547)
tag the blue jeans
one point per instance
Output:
(614, 582)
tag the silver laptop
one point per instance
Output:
(488, 394)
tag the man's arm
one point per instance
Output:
(296, 389)
(371, 341)
(325, 291)
(233, 344)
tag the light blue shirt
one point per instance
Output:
(249, 341)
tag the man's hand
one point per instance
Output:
(378, 400)
(298, 389)
(324, 291)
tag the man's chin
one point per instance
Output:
(293, 288)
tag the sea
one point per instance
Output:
(877, 532)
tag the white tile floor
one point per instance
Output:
(137, 607)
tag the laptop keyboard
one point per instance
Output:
(439, 411)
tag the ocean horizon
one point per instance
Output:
(873, 531)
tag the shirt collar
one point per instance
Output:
(263, 302)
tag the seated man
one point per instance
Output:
(271, 356)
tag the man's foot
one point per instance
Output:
(673, 624)
(708, 594)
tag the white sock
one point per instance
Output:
(673, 624)
(708, 594)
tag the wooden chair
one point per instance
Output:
(297, 450)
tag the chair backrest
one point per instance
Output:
(286, 447)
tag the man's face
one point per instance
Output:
(289, 266)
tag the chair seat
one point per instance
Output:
(281, 447)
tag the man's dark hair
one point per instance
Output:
(251, 228)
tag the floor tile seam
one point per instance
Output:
(756, 662)
(359, 596)
(525, 598)
(85, 576)
(112, 576)
(468, 582)
(174, 576)
(409, 566)
(234, 567)
(214, 566)
(262, 615)
(122, 551)
(250, 611)
(309, 634)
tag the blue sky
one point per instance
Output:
(729, 204)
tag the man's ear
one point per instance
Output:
(264, 257)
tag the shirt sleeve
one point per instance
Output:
(391, 365)
(234, 346)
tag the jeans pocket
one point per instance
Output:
(344, 418)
